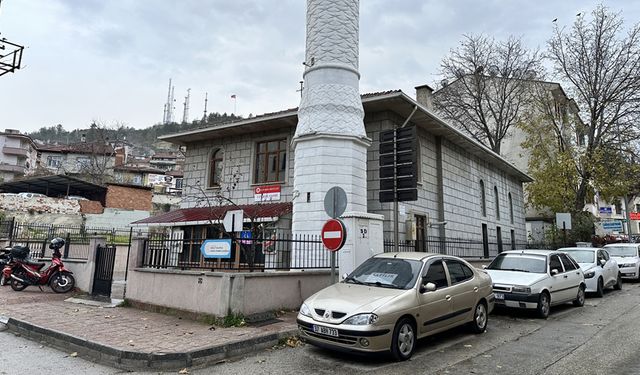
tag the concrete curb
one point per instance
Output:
(132, 360)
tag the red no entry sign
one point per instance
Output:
(333, 234)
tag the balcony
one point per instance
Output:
(15, 151)
(16, 169)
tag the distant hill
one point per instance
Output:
(138, 137)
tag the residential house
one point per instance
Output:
(95, 160)
(18, 155)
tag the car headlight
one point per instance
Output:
(304, 310)
(589, 274)
(623, 265)
(521, 289)
(361, 319)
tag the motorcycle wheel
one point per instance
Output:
(3, 280)
(63, 282)
(18, 285)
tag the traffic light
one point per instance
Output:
(398, 165)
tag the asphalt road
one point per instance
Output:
(603, 337)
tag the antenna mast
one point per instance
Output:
(185, 113)
(206, 99)
(168, 105)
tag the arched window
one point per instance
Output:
(215, 168)
(483, 199)
(495, 193)
(510, 208)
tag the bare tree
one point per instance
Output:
(600, 61)
(99, 148)
(485, 86)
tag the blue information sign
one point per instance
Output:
(216, 248)
(613, 225)
(606, 210)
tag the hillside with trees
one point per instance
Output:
(118, 131)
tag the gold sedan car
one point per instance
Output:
(393, 299)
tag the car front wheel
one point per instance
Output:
(579, 301)
(544, 305)
(404, 340)
(600, 288)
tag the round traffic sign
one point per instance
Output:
(333, 234)
(335, 202)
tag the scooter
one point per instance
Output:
(25, 272)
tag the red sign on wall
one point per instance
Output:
(266, 193)
(634, 215)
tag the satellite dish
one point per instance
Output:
(444, 83)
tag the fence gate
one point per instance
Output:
(105, 260)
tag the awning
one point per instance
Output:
(206, 215)
(56, 186)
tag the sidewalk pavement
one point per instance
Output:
(129, 338)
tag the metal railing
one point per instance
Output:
(466, 248)
(36, 236)
(278, 252)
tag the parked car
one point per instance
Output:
(76, 197)
(393, 299)
(626, 254)
(599, 269)
(536, 279)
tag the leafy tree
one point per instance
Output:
(489, 92)
(600, 62)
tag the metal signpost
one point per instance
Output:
(335, 203)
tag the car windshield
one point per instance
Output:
(519, 262)
(622, 251)
(582, 256)
(386, 273)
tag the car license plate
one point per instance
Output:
(499, 295)
(325, 330)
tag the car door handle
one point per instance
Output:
(447, 297)
(475, 288)
(577, 273)
(565, 276)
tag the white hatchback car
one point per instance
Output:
(536, 279)
(600, 270)
(626, 254)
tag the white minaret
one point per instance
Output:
(330, 140)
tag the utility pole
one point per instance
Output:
(301, 87)
(206, 99)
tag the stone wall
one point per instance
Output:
(128, 197)
(45, 205)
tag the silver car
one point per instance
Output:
(600, 270)
(393, 299)
(536, 279)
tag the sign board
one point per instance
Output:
(606, 210)
(335, 202)
(220, 248)
(563, 220)
(333, 234)
(612, 225)
(233, 221)
(245, 237)
(634, 215)
(266, 193)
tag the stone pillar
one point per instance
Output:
(330, 140)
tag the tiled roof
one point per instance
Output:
(79, 148)
(204, 214)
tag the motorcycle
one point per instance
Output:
(25, 272)
(5, 266)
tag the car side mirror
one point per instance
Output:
(344, 276)
(603, 262)
(428, 287)
(554, 272)
(484, 266)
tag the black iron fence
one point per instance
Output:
(277, 252)
(36, 236)
(467, 248)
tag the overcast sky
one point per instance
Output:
(111, 61)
